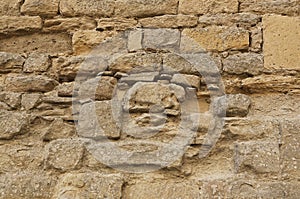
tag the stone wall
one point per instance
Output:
(91, 89)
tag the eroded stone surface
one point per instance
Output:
(10, 24)
(40, 7)
(12, 124)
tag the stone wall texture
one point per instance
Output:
(76, 75)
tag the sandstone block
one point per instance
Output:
(64, 154)
(211, 6)
(186, 80)
(165, 189)
(246, 63)
(12, 99)
(140, 77)
(89, 185)
(281, 42)
(173, 63)
(289, 7)
(12, 124)
(261, 156)
(30, 100)
(169, 21)
(58, 130)
(115, 23)
(42, 43)
(256, 38)
(65, 89)
(219, 38)
(92, 114)
(37, 63)
(10, 7)
(99, 8)
(139, 8)
(135, 40)
(68, 24)
(11, 62)
(163, 39)
(11, 24)
(21, 83)
(40, 7)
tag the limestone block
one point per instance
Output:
(10, 24)
(37, 63)
(40, 7)
(169, 21)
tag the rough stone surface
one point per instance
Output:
(10, 7)
(58, 130)
(115, 24)
(37, 63)
(138, 8)
(211, 6)
(186, 80)
(40, 7)
(31, 83)
(12, 124)
(30, 100)
(281, 43)
(19, 24)
(169, 21)
(11, 62)
(217, 38)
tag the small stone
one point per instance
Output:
(11, 24)
(163, 39)
(37, 63)
(256, 38)
(30, 100)
(11, 99)
(140, 77)
(135, 40)
(115, 24)
(23, 83)
(186, 80)
(65, 89)
(11, 62)
(64, 154)
(58, 130)
(174, 63)
(12, 124)
(10, 7)
(40, 7)
(169, 21)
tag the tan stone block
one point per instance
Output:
(219, 38)
(10, 7)
(140, 8)
(40, 7)
(44, 43)
(11, 62)
(37, 63)
(115, 23)
(86, 7)
(85, 41)
(68, 24)
(10, 24)
(281, 42)
(210, 6)
(169, 21)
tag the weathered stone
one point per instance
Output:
(135, 40)
(27, 185)
(40, 7)
(281, 42)
(256, 38)
(43, 43)
(99, 88)
(245, 20)
(245, 63)
(85, 41)
(57, 100)
(10, 7)
(115, 24)
(37, 63)
(11, 62)
(30, 100)
(21, 83)
(11, 99)
(140, 77)
(64, 154)
(58, 130)
(186, 80)
(219, 38)
(12, 124)
(137, 62)
(11, 24)
(290, 146)
(138, 8)
(211, 6)
(68, 24)
(163, 39)
(170, 189)
(85, 7)
(270, 83)
(89, 184)
(261, 156)
(65, 89)
(289, 7)
(169, 21)
(92, 124)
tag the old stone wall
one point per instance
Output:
(90, 90)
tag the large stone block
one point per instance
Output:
(40, 7)
(86, 7)
(140, 8)
(281, 42)
(219, 38)
(89, 185)
(43, 43)
(10, 7)
(9, 24)
(204, 6)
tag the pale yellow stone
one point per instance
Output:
(40, 7)
(219, 38)
(169, 21)
(24, 23)
(207, 6)
(281, 42)
(10, 7)
(115, 23)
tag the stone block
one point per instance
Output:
(10, 62)
(10, 7)
(169, 21)
(12, 124)
(37, 63)
(44, 8)
(12, 24)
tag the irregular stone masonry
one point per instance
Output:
(90, 91)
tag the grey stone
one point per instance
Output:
(163, 39)
(186, 80)
(140, 77)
